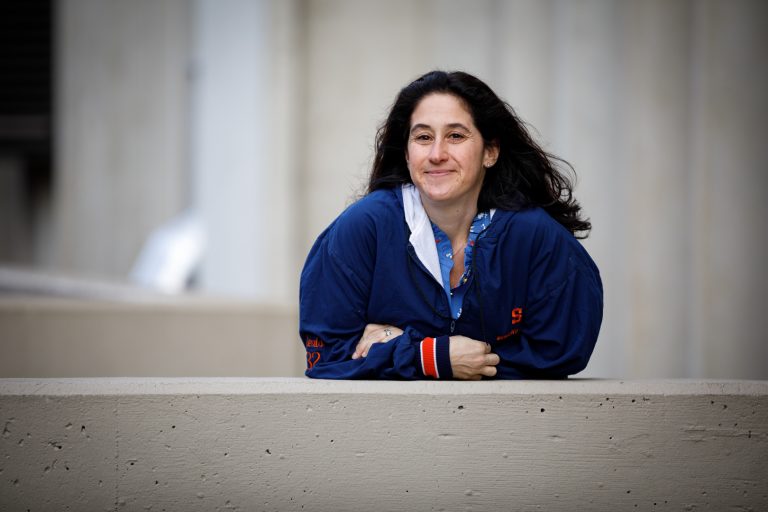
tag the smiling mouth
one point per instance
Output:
(438, 172)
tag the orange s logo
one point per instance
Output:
(517, 315)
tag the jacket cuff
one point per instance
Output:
(436, 357)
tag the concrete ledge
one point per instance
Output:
(293, 444)
(171, 337)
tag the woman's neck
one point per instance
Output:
(454, 219)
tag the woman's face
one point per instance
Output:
(446, 152)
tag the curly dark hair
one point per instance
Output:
(523, 176)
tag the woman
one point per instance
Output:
(461, 261)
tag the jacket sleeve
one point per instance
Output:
(334, 291)
(562, 315)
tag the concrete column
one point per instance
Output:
(120, 129)
(523, 67)
(245, 146)
(729, 164)
(583, 110)
(654, 82)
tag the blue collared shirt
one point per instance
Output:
(445, 255)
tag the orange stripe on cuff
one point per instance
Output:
(428, 360)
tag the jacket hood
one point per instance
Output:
(422, 238)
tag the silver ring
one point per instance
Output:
(387, 332)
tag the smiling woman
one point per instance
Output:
(446, 154)
(461, 261)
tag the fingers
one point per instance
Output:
(489, 369)
(477, 374)
(374, 333)
(486, 371)
(362, 348)
(491, 360)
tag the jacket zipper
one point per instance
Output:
(412, 255)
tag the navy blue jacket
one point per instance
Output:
(535, 295)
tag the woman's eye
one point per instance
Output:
(456, 136)
(422, 137)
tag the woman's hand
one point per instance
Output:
(375, 333)
(472, 359)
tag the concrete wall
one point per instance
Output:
(160, 337)
(295, 444)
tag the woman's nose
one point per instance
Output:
(438, 151)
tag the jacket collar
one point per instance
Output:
(422, 238)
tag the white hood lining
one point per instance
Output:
(422, 237)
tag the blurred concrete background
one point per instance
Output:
(223, 136)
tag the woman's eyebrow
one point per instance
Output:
(458, 125)
(419, 126)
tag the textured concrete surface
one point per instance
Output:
(296, 444)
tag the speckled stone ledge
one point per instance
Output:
(299, 444)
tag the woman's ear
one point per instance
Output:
(490, 154)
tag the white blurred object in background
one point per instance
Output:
(171, 254)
